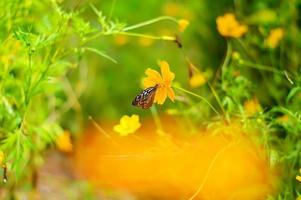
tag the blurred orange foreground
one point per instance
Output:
(216, 164)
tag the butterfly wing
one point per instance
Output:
(146, 98)
(149, 101)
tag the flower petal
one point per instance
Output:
(167, 75)
(118, 128)
(148, 82)
(124, 120)
(171, 94)
(153, 78)
(161, 95)
(153, 74)
(135, 118)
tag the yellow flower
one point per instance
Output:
(121, 40)
(197, 80)
(299, 177)
(171, 9)
(274, 38)
(64, 143)
(228, 26)
(252, 106)
(236, 56)
(145, 42)
(163, 82)
(283, 118)
(127, 125)
(1, 157)
(183, 23)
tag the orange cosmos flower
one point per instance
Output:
(64, 143)
(163, 81)
(228, 26)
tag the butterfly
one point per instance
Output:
(146, 98)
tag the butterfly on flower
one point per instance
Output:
(146, 98)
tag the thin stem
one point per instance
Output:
(156, 118)
(100, 53)
(261, 67)
(228, 56)
(198, 96)
(101, 130)
(148, 22)
(112, 9)
(217, 155)
(217, 98)
(169, 38)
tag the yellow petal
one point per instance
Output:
(153, 78)
(298, 178)
(167, 75)
(153, 74)
(124, 120)
(160, 95)
(148, 82)
(118, 128)
(171, 94)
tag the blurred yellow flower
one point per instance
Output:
(283, 118)
(274, 38)
(171, 9)
(64, 143)
(252, 106)
(228, 26)
(145, 42)
(197, 80)
(163, 81)
(1, 157)
(127, 125)
(299, 177)
(121, 40)
(236, 55)
(183, 23)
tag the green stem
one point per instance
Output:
(228, 56)
(148, 22)
(112, 9)
(261, 67)
(169, 38)
(156, 118)
(198, 96)
(217, 98)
